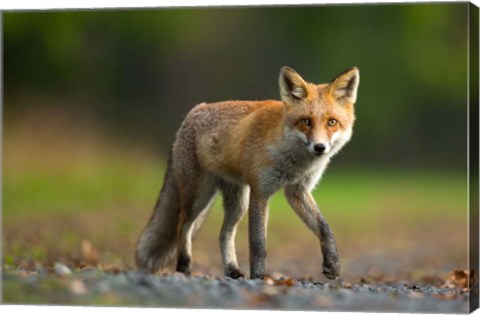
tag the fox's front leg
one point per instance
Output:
(301, 200)
(257, 227)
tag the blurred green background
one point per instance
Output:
(92, 100)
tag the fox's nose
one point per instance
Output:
(319, 148)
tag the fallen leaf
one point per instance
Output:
(347, 285)
(286, 281)
(457, 279)
(111, 268)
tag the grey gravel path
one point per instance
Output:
(132, 288)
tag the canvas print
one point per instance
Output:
(304, 157)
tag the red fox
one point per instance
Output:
(248, 150)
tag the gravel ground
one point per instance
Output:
(92, 286)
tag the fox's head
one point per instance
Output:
(320, 117)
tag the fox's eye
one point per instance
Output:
(306, 121)
(332, 122)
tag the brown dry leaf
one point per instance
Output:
(89, 254)
(347, 285)
(111, 268)
(285, 281)
(457, 279)
(269, 280)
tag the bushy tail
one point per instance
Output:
(156, 246)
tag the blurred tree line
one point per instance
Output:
(140, 71)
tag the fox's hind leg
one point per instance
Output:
(196, 198)
(235, 203)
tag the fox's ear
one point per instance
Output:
(344, 87)
(292, 86)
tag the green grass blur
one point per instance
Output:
(112, 181)
(41, 192)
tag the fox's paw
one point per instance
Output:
(184, 270)
(184, 264)
(331, 269)
(233, 272)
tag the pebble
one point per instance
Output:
(62, 270)
(177, 290)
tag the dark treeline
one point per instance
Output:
(139, 71)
